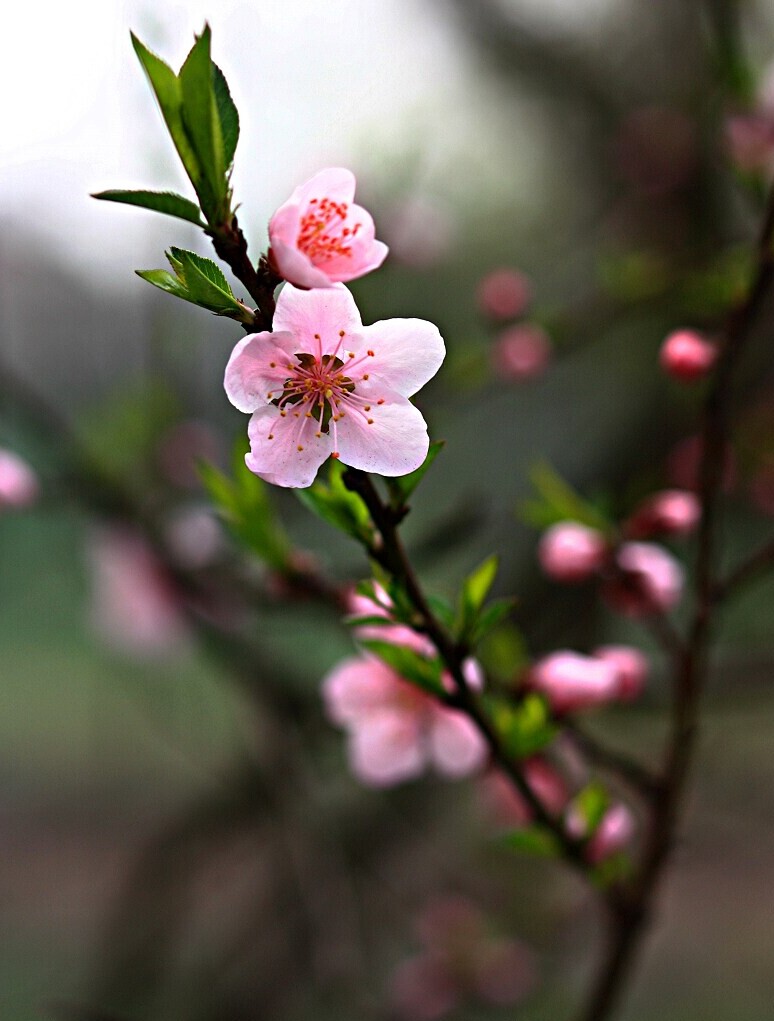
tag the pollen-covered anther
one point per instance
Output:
(336, 454)
(367, 407)
(299, 447)
(370, 354)
(370, 421)
(380, 401)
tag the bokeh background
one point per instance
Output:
(181, 838)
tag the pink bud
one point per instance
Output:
(631, 666)
(571, 681)
(570, 551)
(508, 807)
(685, 355)
(671, 512)
(750, 141)
(613, 834)
(521, 352)
(504, 293)
(650, 580)
(18, 482)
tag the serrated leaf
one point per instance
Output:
(159, 201)
(165, 281)
(401, 488)
(169, 95)
(424, 672)
(204, 280)
(558, 501)
(227, 115)
(200, 117)
(532, 840)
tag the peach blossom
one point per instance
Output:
(650, 580)
(521, 352)
(18, 482)
(504, 293)
(631, 666)
(571, 552)
(572, 682)
(670, 512)
(687, 356)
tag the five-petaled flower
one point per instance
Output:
(319, 236)
(322, 384)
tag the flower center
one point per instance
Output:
(323, 233)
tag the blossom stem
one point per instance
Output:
(231, 245)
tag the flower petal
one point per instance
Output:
(326, 312)
(335, 183)
(358, 688)
(387, 749)
(295, 267)
(456, 747)
(258, 367)
(388, 439)
(286, 448)
(407, 352)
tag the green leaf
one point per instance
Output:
(424, 672)
(558, 501)
(475, 589)
(525, 728)
(337, 505)
(532, 840)
(204, 280)
(200, 117)
(227, 115)
(169, 95)
(159, 201)
(592, 802)
(489, 618)
(402, 487)
(503, 652)
(164, 280)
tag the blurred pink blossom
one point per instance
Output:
(669, 512)
(613, 834)
(18, 482)
(323, 385)
(508, 807)
(395, 730)
(461, 960)
(319, 236)
(504, 293)
(631, 666)
(419, 231)
(687, 356)
(194, 536)
(521, 352)
(683, 465)
(571, 552)
(650, 580)
(572, 682)
(134, 605)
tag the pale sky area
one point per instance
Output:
(313, 81)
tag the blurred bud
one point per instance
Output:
(750, 141)
(670, 512)
(507, 806)
(194, 537)
(656, 150)
(573, 682)
(631, 666)
(570, 552)
(684, 460)
(614, 834)
(181, 449)
(18, 482)
(419, 231)
(649, 580)
(134, 605)
(521, 352)
(686, 356)
(504, 293)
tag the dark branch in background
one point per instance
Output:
(749, 571)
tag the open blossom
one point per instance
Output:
(650, 580)
(504, 293)
(521, 352)
(396, 730)
(460, 960)
(572, 682)
(18, 482)
(322, 384)
(686, 355)
(570, 551)
(670, 512)
(319, 236)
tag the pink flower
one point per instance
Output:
(650, 580)
(322, 384)
(571, 681)
(504, 293)
(521, 352)
(395, 729)
(670, 512)
(320, 237)
(460, 960)
(570, 551)
(613, 834)
(18, 482)
(507, 805)
(631, 667)
(686, 356)
(134, 605)
(398, 634)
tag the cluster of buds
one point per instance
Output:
(571, 682)
(522, 350)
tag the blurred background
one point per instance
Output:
(180, 835)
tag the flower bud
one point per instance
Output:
(649, 580)
(670, 512)
(571, 681)
(18, 482)
(570, 551)
(686, 356)
(504, 293)
(613, 834)
(631, 666)
(521, 352)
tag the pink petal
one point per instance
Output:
(390, 439)
(327, 312)
(335, 183)
(357, 688)
(286, 451)
(386, 749)
(296, 267)
(257, 368)
(407, 352)
(456, 747)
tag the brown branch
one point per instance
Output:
(230, 244)
(750, 570)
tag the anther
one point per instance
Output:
(370, 354)
(370, 421)
(299, 447)
(336, 454)
(380, 401)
